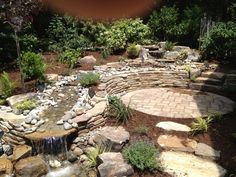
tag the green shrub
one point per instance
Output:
(6, 86)
(169, 45)
(200, 125)
(29, 42)
(70, 57)
(133, 50)
(89, 79)
(142, 155)
(221, 42)
(64, 33)
(121, 32)
(118, 110)
(26, 105)
(32, 65)
(142, 130)
(94, 152)
(105, 52)
(164, 24)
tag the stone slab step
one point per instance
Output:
(214, 75)
(156, 53)
(205, 87)
(175, 143)
(180, 164)
(173, 126)
(151, 47)
(206, 80)
(165, 60)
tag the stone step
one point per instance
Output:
(156, 53)
(205, 87)
(164, 60)
(206, 80)
(214, 75)
(181, 164)
(151, 47)
(175, 143)
(173, 126)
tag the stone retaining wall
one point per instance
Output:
(143, 79)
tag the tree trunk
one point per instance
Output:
(19, 60)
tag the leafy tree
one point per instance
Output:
(17, 13)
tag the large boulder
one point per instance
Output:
(31, 167)
(114, 137)
(6, 167)
(13, 100)
(172, 55)
(88, 60)
(113, 164)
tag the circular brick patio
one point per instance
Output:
(177, 103)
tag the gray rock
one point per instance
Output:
(67, 116)
(113, 164)
(67, 126)
(173, 55)
(71, 156)
(88, 60)
(8, 149)
(206, 151)
(78, 152)
(34, 121)
(60, 122)
(115, 137)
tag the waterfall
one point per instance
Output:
(50, 146)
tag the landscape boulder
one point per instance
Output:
(31, 167)
(113, 164)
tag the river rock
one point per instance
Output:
(175, 143)
(113, 164)
(173, 126)
(181, 164)
(88, 60)
(8, 149)
(6, 167)
(77, 151)
(52, 77)
(115, 137)
(21, 151)
(67, 126)
(206, 151)
(31, 167)
(19, 98)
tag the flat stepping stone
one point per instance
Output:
(173, 126)
(213, 75)
(180, 164)
(175, 143)
(206, 151)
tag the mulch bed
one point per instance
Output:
(219, 136)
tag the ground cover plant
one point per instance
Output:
(89, 79)
(142, 155)
(26, 105)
